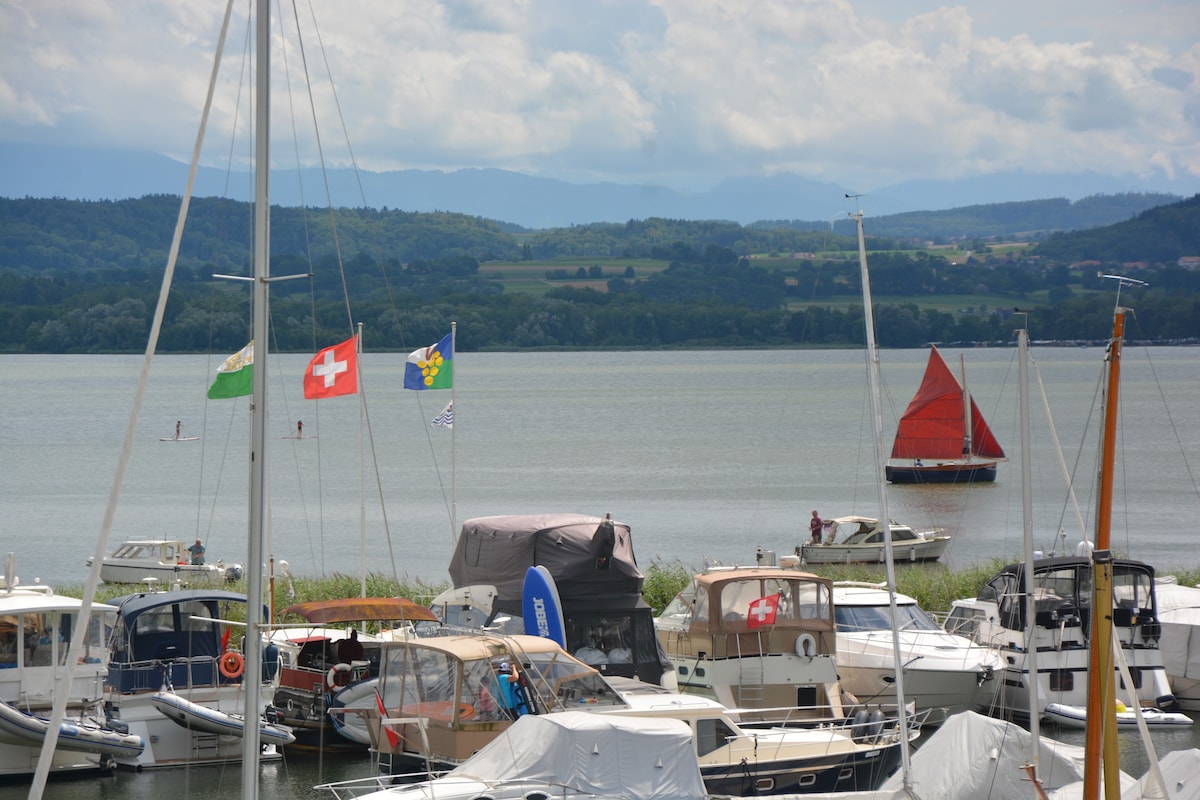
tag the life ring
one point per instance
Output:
(806, 645)
(331, 677)
(232, 665)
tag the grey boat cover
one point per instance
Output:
(586, 555)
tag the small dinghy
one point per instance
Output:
(196, 717)
(78, 734)
(1076, 717)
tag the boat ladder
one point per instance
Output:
(751, 674)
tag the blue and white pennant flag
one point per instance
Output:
(446, 418)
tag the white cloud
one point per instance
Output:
(676, 91)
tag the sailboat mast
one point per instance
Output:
(885, 517)
(1100, 742)
(1031, 664)
(968, 444)
(252, 680)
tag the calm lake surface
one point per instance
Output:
(704, 454)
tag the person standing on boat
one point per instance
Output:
(510, 690)
(814, 527)
(197, 551)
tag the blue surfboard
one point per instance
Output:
(540, 606)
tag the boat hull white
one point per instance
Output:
(871, 554)
(942, 693)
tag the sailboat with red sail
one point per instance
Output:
(942, 437)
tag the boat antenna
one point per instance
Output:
(1122, 282)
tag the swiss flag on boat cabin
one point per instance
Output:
(333, 371)
(762, 611)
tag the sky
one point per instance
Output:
(680, 93)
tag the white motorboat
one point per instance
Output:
(943, 673)
(1062, 593)
(179, 641)
(863, 543)
(744, 760)
(166, 561)
(35, 631)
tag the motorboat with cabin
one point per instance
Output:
(165, 562)
(864, 542)
(36, 627)
(439, 698)
(318, 662)
(755, 637)
(174, 674)
(1062, 594)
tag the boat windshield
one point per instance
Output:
(855, 619)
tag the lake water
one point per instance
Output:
(704, 454)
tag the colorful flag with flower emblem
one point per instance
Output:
(431, 367)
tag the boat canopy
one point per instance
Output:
(721, 602)
(586, 555)
(360, 609)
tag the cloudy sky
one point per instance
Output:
(675, 92)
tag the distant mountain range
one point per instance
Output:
(31, 170)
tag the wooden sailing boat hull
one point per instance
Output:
(961, 472)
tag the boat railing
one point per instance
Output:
(851, 724)
(152, 674)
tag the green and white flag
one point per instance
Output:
(235, 378)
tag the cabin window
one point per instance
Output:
(1132, 590)
(1062, 680)
(1136, 675)
(712, 734)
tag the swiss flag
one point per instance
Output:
(762, 611)
(333, 371)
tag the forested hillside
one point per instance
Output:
(80, 277)
(1161, 234)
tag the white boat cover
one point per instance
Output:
(1179, 614)
(622, 758)
(1180, 772)
(973, 757)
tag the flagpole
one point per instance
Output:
(362, 478)
(453, 433)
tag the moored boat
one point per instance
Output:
(180, 640)
(165, 561)
(36, 626)
(943, 673)
(942, 437)
(756, 638)
(1060, 629)
(319, 663)
(864, 542)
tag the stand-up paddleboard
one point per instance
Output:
(294, 436)
(541, 608)
(179, 438)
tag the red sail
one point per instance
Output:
(933, 426)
